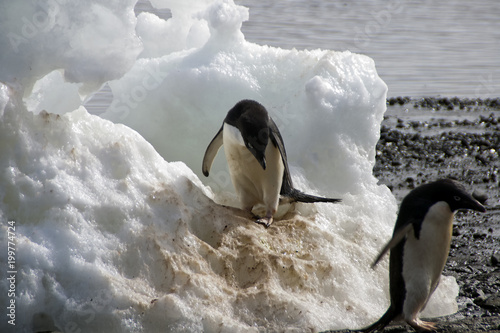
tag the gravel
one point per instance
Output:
(425, 139)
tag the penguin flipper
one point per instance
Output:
(388, 316)
(396, 238)
(211, 151)
(277, 140)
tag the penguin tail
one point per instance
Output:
(388, 316)
(296, 195)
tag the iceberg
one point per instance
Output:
(112, 225)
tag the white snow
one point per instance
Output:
(116, 228)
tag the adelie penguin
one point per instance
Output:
(419, 248)
(257, 160)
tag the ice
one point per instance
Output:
(116, 228)
(54, 93)
(91, 41)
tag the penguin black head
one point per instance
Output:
(451, 192)
(252, 121)
(417, 203)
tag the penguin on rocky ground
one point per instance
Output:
(419, 248)
(257, 160)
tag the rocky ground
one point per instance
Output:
(430, 138)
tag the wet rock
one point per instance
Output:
(482, 159)
(398, 100)
(480, 196)
(451, 103)
(479, 235)
(491, 302)
(495, 258)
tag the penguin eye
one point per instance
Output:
(457, 198)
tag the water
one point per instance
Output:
(420, 48)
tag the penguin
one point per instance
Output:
(419, 248)
(257, 160)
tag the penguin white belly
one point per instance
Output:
(252, 183)
(424, 258)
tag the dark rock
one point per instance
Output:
(480, 196)
(495, 258)
(491, 303)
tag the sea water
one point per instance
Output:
(421, 48)
(109, 222)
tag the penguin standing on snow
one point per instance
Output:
(419, 248)
(257, 160)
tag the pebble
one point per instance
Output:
(491, 302)
(495, 258)
(480, 196)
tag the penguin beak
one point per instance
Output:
(474, 205)
(259, 155)
(478, 207)
(261, 158)
(262, 162)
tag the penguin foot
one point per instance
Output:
(422, 326)
(265, 221)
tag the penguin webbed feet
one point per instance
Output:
(422, 326)
(265, 221)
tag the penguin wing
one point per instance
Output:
(212, 150)
(398, 235)
(277, 140)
